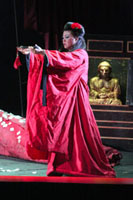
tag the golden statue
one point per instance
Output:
(103, 88)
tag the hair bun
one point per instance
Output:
(77, 28)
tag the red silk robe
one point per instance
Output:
(73, 138)
(65, 129)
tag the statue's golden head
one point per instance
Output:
(105, 64)
(104, 69)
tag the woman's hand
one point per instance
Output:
(25, 50)
(37, 50)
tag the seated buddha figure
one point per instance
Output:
(103, 88)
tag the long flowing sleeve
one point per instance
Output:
(65, 60)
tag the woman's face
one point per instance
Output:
(68, 40)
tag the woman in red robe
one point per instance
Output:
(68, 133)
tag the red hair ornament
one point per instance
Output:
(76, 26)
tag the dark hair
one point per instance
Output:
(77, 30)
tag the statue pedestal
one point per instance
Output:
(116, 125)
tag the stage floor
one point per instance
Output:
(16, 167)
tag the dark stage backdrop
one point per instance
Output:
(41, 22)
(98, 17)
(9, 86)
